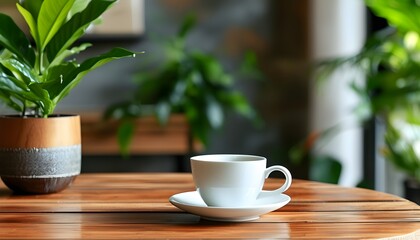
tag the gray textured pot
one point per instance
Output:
(39, 155)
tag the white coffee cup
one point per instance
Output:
(233, 180)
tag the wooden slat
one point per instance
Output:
(278, 216)
(159, 205)
(192, 228)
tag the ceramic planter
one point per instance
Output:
(39, 155)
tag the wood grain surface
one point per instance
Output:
(135, 205)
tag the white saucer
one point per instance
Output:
(191, 202)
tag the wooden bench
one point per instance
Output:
(99, 137)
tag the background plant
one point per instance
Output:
(37, 73)
(402, 141)
(390, 66)
(190, 82)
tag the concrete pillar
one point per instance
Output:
(338, 29)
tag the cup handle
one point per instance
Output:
(284, 187)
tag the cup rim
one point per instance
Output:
(210, 158)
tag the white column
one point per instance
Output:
(338, 29)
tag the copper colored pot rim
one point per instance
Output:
(18, 132)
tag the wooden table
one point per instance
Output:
(132, 206)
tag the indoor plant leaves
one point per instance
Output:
(37, 77)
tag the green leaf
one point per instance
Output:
(249, 66)
(33, 6)
(13, 39)
(78, 6)
(238, 103)
(44, 102)
(20, 70)
(402, 14)
(72, 76)
(75, 27)
(67, 53)
(6, 97)
(58, 77)
(52, 15)
(14, 83)
(325, 169)
(31, 21)
(5, 55)
(188, 24)
(125, 135)
(198, 124)
(15, 88)
(211, 70)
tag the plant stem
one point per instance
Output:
(24, 110)
(41, 56)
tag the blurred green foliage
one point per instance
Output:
(325, 169)
(390, 84)
(402, 141)
(193, 83)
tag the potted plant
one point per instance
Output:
(192, 83)
(390, 88)
(40, 152)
